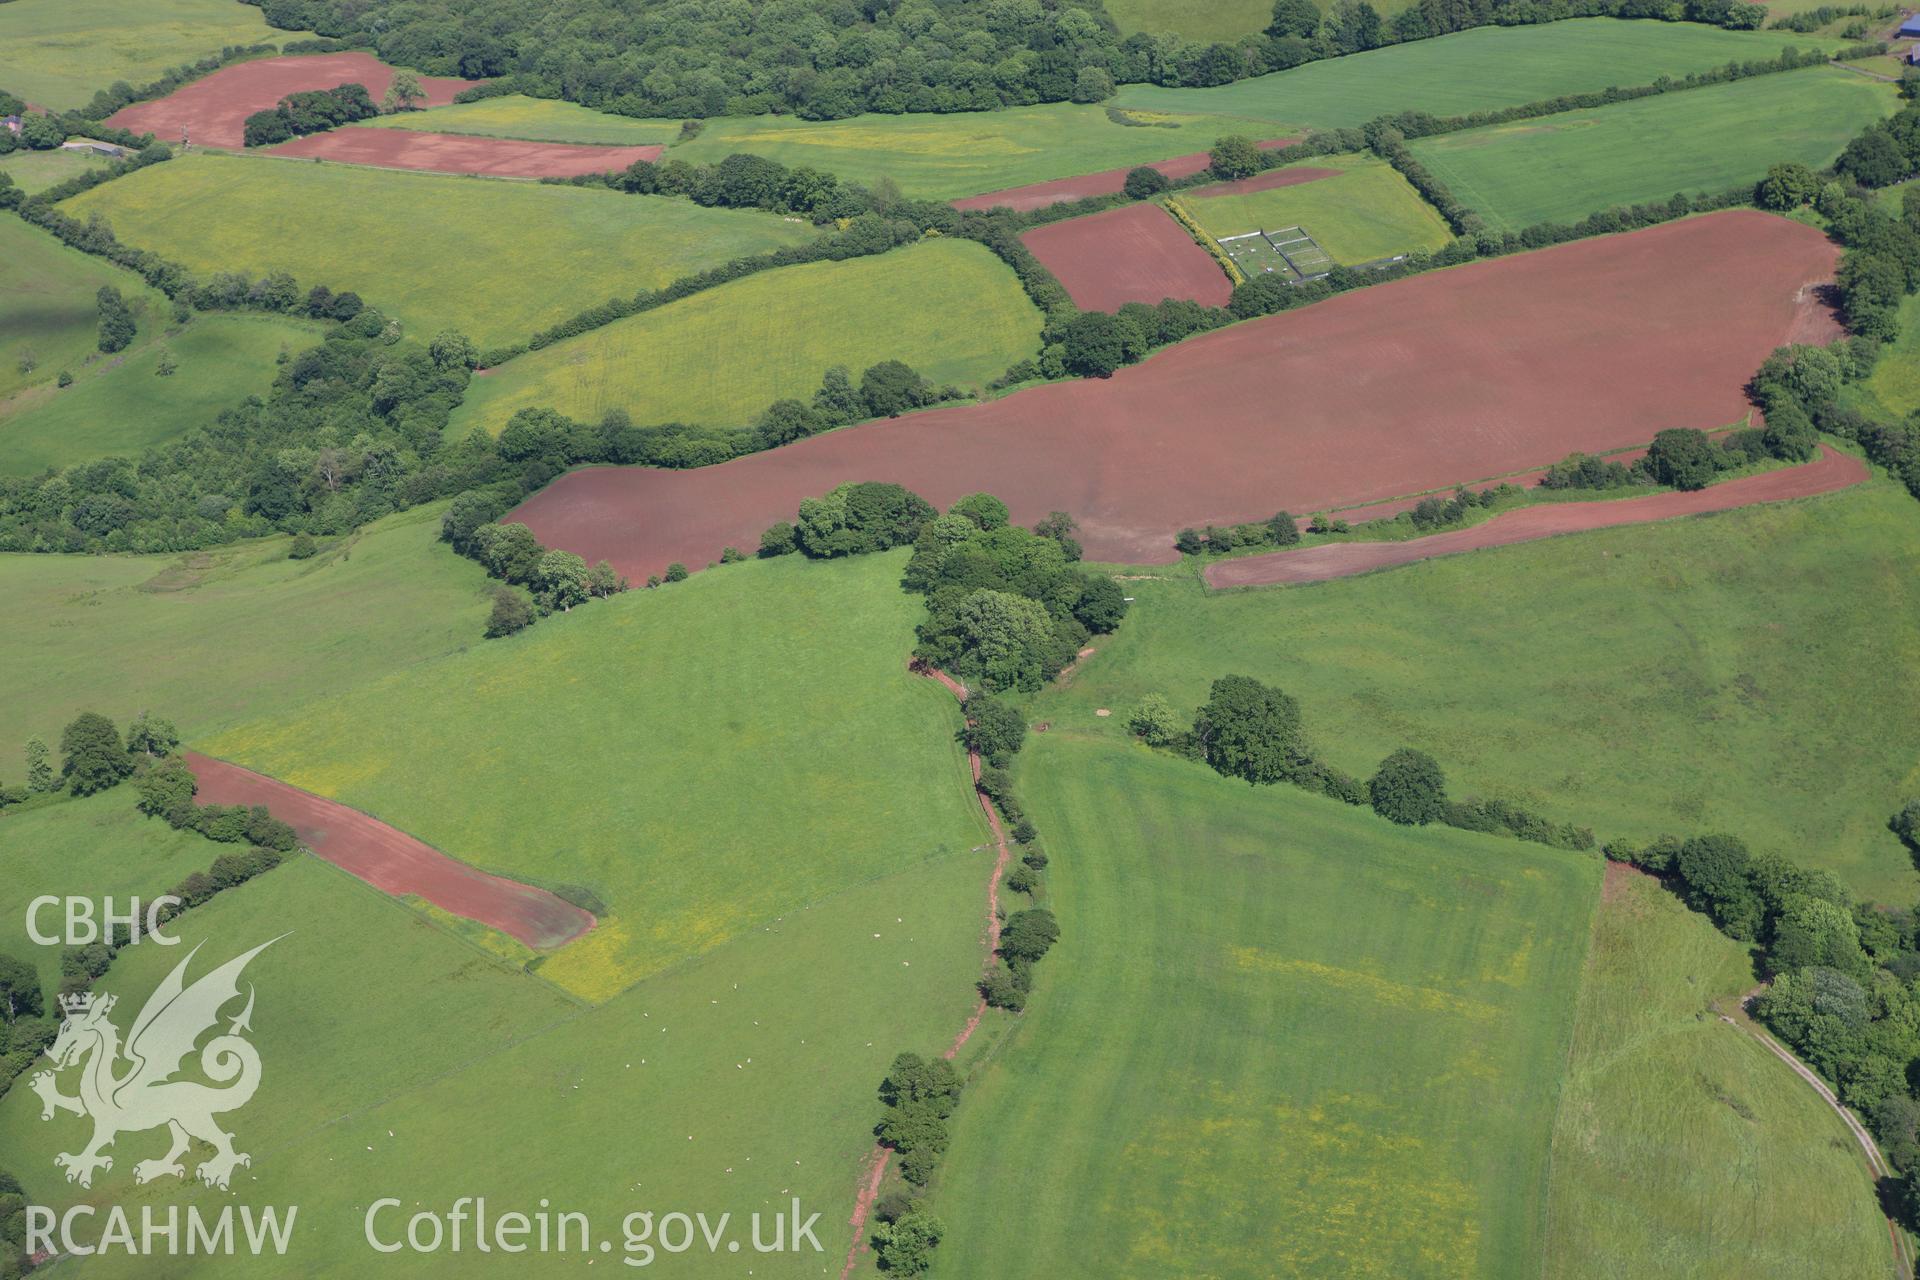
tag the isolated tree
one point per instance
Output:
(1235, 156)
(39, 767)
(1248, 730)
(302, 547)
(676, 572)
(1409, 788)
(403, 94)
(1144, 182)
(1154, 721)
(116, 322)
(93, 757)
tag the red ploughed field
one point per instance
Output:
(212, 112)
(1830, 471)
(1133, 254)
(391, 860)
(1451, 376)
(1039, 195)
(457, 153)
(1265, 182)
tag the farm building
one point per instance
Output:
(10, 123)
(97, 147)
(1911, 27)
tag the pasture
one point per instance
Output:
(513, 115)
(34, 171)
(1561, 168)
(947, 307)
(1222, 20)
(1726, 673)
(1279, 1036)
(52, 320)
(58, 53)
(119, 634)
(1479, 70)
(479, 270)
(942, 157)
(120, 405)
(703, 759)
(1367, 211)
(1683, 1147)
(1893, 389)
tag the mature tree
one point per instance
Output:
(931, 1082)
(1300, 18)
(1144, 182)
(1788, 186)
(511, 613)
(1875, 159)
(676, 572)
(563, 579)
(20, 994)
(41, 132)
(906, 1245)
(1682, 457)
(785, 421)
(452, 349)
(1409, 788)
(1004, 640)
(1059, 526)
(1155, 721)
(1248, 730)
(994, 729)
(1354, 26)
(39, 767)
(1811, 931)
(892, 387)
(152, 735)
(166, 790)
(1029, 935)
(1905, 824)
(1235, 156)
(116, 322)
(1101, 603)
(1717, 871)
(264, 128)
(1095, 343)
(779, 539)
(403, 94)
(510, 552)
(1283, 530)
(93, 757)
(983, 509)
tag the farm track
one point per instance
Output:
(392, 861)
(1830, 472)
(878, 1158)
(1402, 388)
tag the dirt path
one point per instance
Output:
(1876, 1163)
(392, 861)
(1832, 470)
(877, 1159)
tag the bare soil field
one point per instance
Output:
(212, 112)
(1267, 181)
(1482, 370)
(1137, 253)
(1830, 471)
(463, 153)
(393, 861)
(1038, 195)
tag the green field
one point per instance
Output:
(1223, 20)
(496, 260)
(1279, 1036)
(1683, 1147)
(120, 405)
(51, 320)
(1367, 212)
(118, 634)
(942, 157)
(1728, 673)
(702, 758)
(539, 119)
(1479, 70)
(1893, 389)
(1561, 168)
(33, 171)
(58, 53)
(949, 308)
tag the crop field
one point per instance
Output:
(783, 680)
(58, 52)
(354, 233)
(52, 320)
(461, 153)
(941, 157)
(513, 115)
(1365, 211)
(1136, 253)
(1733, 681)
(947, 307)
(1479, 70)
(1561, 168)
(1251, 978)
(120, 405)
(1682, 1147)
(118, 634)
(35, 171)
(1535, 377)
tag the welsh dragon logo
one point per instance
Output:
(127, 1088)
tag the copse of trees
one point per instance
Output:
(116, 322)
(310, 111)
(558, 580)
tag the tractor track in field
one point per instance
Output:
(878, 1158)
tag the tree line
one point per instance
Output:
(309, 111)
